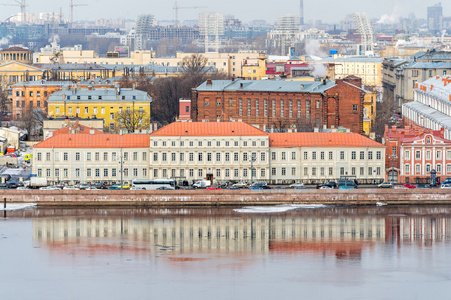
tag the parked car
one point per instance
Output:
(300, 188)
(279, 187)
(259, 186)
(424, 186)
(387, 185)
(233, 188)
(347, 187)
(100, 185)
(69, 187)
(331, 184)
(445, 186)
(3, 186)
(50, 188)
(409, 186)
(166, 188)
(240, 185)
(22, 188)
(91, 188)
(295, 185)
(12, 185)
(400, 187)
(188, 188)
(347, 183)
(213, 188)
(84, 186)
(325, 187)
(125, 186)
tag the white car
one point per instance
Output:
(68, 187)
(325, 187)
(23, 188)
(91, 188)
(50, 188)
(295, 185)
(400, 187)
(240, 185)
(445, 186)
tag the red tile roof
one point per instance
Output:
(80, 129)
(209, 129)
(96, 141)
(321, 139)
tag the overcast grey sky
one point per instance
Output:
(327, 10)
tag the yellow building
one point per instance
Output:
(367, 68)
(14, 72)
(254, 69)
(102, 104)
(369, 111)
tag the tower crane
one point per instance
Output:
(176, 8)
(72, 5)
(23, 7)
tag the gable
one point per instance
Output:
(18, 67)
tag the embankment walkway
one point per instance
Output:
(203, 198)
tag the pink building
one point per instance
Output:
(184, 110)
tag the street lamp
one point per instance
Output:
(122, 169)
(253, 159)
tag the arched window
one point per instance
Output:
(428, 140)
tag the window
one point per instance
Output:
(290, 111)
(265, 107)
(105, 172)
(218, 156)
(407, 169)
(57, 110)
(111, 116)
(77, 156)
(417, 169)
(353, 155)
(322, 156)
(47, 156)
(378, 171)
(342, 171)
(407, 154)
(314, 155)
(273, 171)
(428, 168)
(284, 154)
(97, 172)
(428, 140)
(307, 108)
(227, 156)
(97, 156)
(65, 156)
(88, 156)
(57, 173)
(370, 155)
(331, 171)
(240, 107)
(165, 173)
(448, 169)
(417, 154)
(293, 155)
(244, 156)
(199, 157)
(370, 171)
(438, 154)
(208, 156)
(155, 156)
(393, 150)
(293, 171)
(342, 155)
(39, 172)
(200, 172)
(284, 171)
(428, 154)
(273, 107)
(305, 171)
(144, 156)
(218, 172)
(145, 172)
(235, 172)
(105, 156)
(227, 172)
(172, 156)
(330, 155)
(354, 107)
(273, 155)
(248, 107)
(257, 107)
(378, 155)
(48, 172)
(362, 155)
(305, 155)
(182, 156)
(313, 171)
(135, 172)
(262, 173)
(282, 108)
(362, 171)
(299, 108)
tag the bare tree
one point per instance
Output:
(281, 125)
(195, 64)
(132, 120)
(305, 125)
(385, 113)
(3, 103)
(31, 120)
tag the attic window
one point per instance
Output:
(428, 140)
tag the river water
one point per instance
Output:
(256, 253)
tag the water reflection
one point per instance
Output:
(340, 232)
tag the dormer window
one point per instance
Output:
(428, 140)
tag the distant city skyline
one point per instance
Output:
(331, 12)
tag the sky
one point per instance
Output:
(329, 11)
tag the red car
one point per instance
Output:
(213, 188)
(409, 186)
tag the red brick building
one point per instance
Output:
(412, 152)
(277, 105)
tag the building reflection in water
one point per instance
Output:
(344, 237)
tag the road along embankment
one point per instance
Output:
(227, 197)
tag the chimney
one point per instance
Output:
(324, 81)
(393, 128)
(208, 81)
(91, 131)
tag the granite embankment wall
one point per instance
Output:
(228, 197)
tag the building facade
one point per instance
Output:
(216, 151)
(100, 103)
(282, 105)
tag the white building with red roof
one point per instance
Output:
(216, 151)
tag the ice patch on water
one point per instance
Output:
(277, 208)
(17, 206)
